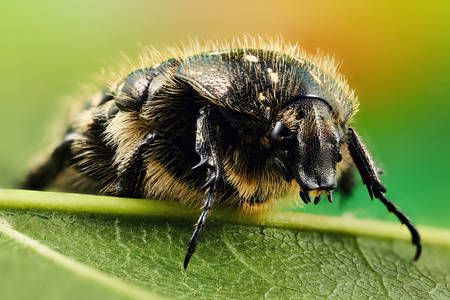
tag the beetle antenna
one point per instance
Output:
(369, 175)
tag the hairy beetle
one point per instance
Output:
(239, 125)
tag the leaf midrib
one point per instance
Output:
(82, 203)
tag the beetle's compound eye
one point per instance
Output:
(279, 131)
(339, 157)
(281, 137)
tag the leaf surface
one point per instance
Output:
(140, 255)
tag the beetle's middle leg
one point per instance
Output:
(206, 147)
(130, 178)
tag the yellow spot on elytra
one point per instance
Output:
(251, 58)
(273, 76)
(261, 97)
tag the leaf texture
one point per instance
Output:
(233, 261)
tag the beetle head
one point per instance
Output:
(308, 141)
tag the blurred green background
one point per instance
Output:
(396, 54)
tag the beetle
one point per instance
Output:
(238, 126)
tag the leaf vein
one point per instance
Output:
(72, 265)
(369, 265)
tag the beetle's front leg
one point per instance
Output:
(206, 147)
(369, 174)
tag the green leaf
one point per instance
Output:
(63, 246)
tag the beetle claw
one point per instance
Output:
(202, 163)
(209, 183)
